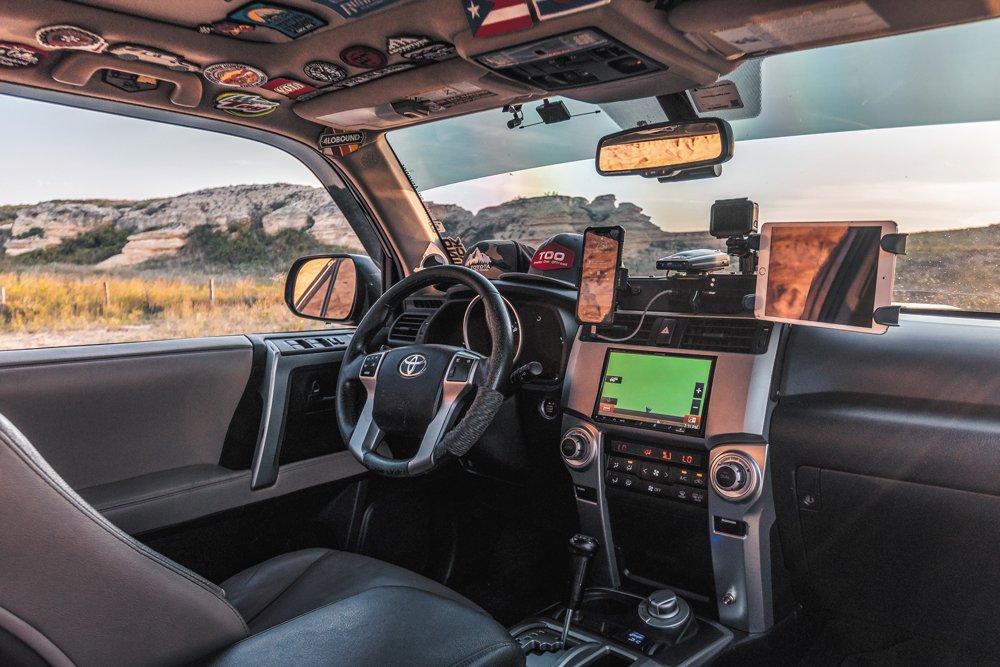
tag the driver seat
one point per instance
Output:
(78, 591)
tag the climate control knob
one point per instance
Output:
(734, 475)
(578, 447)
(731, 476)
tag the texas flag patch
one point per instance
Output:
(495, 17)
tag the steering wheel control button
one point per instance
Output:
(370, 365)
(734, 476)
(578, 447)
(461, 369)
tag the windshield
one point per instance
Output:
(903, 129)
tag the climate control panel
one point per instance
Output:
(674, 474)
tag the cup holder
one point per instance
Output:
(607, 603)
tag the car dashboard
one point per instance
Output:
(645, 483)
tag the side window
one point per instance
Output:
(115, 229)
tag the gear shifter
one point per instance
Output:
(581, 549)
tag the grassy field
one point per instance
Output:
(67, 307)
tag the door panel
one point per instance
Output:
(108, 413)
(140, 429)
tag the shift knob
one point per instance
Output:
(581, 549)
(583, 545)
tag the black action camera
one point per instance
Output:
(733, 217)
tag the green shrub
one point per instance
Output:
(90, 247)
(34, 231)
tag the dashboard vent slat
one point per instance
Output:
(726, 335)
(705, 334)
(406, 329)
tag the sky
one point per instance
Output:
(924, 178)
(940, 170)
(56, 152)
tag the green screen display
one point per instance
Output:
(659, 391)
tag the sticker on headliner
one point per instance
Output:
(19, 55)
(547, 9)
(289, 22)
(350, 9)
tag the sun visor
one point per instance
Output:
(425, 93)
(735, 28)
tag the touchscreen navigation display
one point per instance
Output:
(665, 392)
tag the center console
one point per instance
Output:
(666, 443)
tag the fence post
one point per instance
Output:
(107, 295)
(211, 292)
(3, 297)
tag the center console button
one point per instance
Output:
(616, 463)
(654, 489)
(653, 472)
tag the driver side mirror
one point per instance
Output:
(332, 288)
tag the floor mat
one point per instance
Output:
(848, 643)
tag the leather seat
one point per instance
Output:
(79, 591)
(293, 584)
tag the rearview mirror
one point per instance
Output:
(662, 149)
(332, 288)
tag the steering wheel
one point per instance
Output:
(421, 389)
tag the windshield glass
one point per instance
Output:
(903, 129)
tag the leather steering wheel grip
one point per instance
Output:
(501, 358)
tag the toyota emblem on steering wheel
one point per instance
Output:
(413, 365)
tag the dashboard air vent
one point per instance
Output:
(430, 304)
(726, 335)
(406, 329)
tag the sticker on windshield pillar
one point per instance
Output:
(227, 28)
(289, 22)
(416, 47)
(235, 75)
(337, 143)
(350, 9)
(290, 88)
(552, 257)
(244, 105)
(547, 9)
(363, 57)
(495, 17)
(718, 96)
(70, 37)
(19, 55)
(324, 71)
(455, 249)
(130, 83)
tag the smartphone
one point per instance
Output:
(602, 255)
